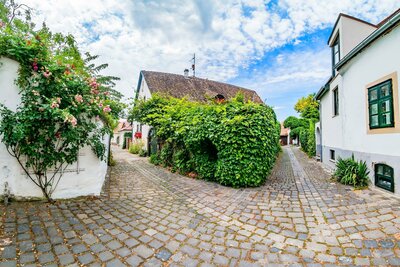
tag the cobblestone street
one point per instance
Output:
(148, 216)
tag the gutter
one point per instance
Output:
(367, 41)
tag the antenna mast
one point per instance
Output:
(194, 65)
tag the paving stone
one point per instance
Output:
(163, 254)
(46, 258)
(86, 258)
(134, 260)
(115, 263)
(144, 251)
(106, 256)
(66, 259)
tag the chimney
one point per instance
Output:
(186, 73)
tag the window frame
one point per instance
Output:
(332, 152)
(378, 101)
(335, 99)
(335, 43)
(379, 177)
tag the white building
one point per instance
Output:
(179, 86)
(359, 105)
(84, 177)
(119, 136)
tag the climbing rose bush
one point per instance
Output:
(63, 107)
(233, 143)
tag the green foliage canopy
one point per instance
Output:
(234, 143)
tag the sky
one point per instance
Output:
(277, 48)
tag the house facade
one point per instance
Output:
(119, 135)
(359, 105)
(179, 86)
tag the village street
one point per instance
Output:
(148, 216)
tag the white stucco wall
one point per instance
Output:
(352, 32)
(144, 93)
(347, 133)
(379, 60)
(85, 177)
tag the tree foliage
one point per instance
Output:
(233, 143)
(303, 128)
(308, 107)
(64, 107)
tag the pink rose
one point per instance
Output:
(54, 105)
(79, 98)
(107, 108)
(47, 74)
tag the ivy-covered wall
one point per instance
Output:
(232, 143)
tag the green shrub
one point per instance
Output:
(143, 153)
(311, 145)
(352, 172)
(234, 143)
(304, 139)
(136, 147)
(155, 159)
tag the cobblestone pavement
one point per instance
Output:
(148, 216)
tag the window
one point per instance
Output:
(332, 154)
(384, 177)
(380, 105)
(335, 102)
(335, 55)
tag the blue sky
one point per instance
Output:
(277, 48)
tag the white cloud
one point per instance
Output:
(163, 35)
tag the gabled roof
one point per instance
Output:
(349, 17)
(388, 24)
(195, 89)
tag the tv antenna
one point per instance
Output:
(194, 65)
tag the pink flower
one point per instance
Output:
(107, 93)
(94, 91)
(107, 108)
(100, 105)
(73, 121)
(58, 100)
(54, 105)
(47, 74)
(79, 98)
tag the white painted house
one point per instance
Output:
(85, 177)
(179, 86)
(359, 105)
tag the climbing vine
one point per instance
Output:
(64, 106)
(233, 143)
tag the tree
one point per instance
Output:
(308, 107)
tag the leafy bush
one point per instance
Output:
(352, 172)
(311, 145)
(136, 146)
(143, 153)
(303, 137)
(155, 159)
(234, 143)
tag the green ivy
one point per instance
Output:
(234, 143)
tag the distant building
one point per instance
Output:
(359, 105)
(119, 136)
(179, 86)
(285, 136)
